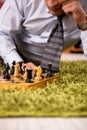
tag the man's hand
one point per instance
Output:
(29, 65)
(74, 8)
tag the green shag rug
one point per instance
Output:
(66, 97)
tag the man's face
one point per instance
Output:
(55, 6)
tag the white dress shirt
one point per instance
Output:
(27, 24)
(84, 41)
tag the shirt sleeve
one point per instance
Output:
(10, 20)
(84, 41)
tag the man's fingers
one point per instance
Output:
(29, 65)
(64, 2)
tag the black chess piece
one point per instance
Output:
(1, 61)
(29, 76)
(49, 73)
(20, 68)
(6, 74)
(11, 74)
(12, 68)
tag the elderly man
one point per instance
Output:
(26, 27)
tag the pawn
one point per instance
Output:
(16, 70)
(11, 74)
(38, 75)
(14, 62)
(49, 73)
(25, 73)
(29, 76)
(20, 68)
(6, 74)
(12, 69)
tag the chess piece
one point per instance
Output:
(6, 74)
(38, 73)
(25, 73)
(12, 69)
(16, 70)
(49, 73)
(11, 74)
(1, 61)
(20, 68)
(29, 76)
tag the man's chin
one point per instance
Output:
(56, 13)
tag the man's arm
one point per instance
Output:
(75, 9)
(10, 19)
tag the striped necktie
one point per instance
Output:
(54, 47)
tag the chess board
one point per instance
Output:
(17, 78)
(19, 82)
